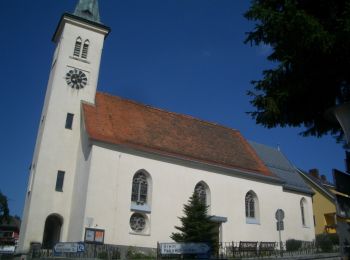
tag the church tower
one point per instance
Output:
(79, 39)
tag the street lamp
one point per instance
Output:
(342, 114)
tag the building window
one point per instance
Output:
(249, 205)
(69, 121)
(251, 208)
(77, 47)
(303, 211)
(59, 180)
(314, 221)
(138, 222)
(139, 188)
(203, 192)
(85, 49)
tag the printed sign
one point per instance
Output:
(279, 215)
(7, 249)
(95, 236)
(280, 225)
(69, 247)
(183, 248)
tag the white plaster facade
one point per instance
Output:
(109, 190)
(56, 147)
(98, 176)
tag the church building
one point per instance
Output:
(107, 169)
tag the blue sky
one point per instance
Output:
(185, 56)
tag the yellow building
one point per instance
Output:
(323, 201)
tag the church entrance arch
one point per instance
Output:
(52, 231)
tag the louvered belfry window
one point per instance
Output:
(85, 49)
(77, 47)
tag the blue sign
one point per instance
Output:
(184, 248)
(69, 247)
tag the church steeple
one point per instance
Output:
(88, 9)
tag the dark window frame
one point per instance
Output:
(60, 181)
(77, 47)
(69, 121)
(85, 51)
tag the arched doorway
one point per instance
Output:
(52, 231)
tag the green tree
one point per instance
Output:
(196, 224)
(310, 52)
(4, 210)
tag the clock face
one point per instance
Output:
(76, 79)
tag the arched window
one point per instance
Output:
(52, 231)
(303, 211)
(203, 192)
(251, 208)
(84, 53)
(139, 188)
(77, 47)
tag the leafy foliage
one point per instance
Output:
(309, 43)
(4, 210)
(324, 241)
(134, 253)
(293, 244)
(196, 224)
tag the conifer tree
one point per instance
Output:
(4, 210)
(196, 224)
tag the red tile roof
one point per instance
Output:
(130, 124)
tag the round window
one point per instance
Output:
(137, 222)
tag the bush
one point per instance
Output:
(102, 255)
(324, 241)
(334, 238)
(133, 253)
(293, 244)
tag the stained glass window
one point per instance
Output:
(201, 191)
(139, 188)
(137, 222)
(250, 205)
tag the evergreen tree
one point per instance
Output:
(4, 210)
(196, 224)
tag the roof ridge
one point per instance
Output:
(169, 112)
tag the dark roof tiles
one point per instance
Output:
(276, 161)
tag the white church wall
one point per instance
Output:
(109, 200)
(76, 219)
(57, 147)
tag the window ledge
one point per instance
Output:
(252, 221)
(79, 59)
(139, 234)
(141, 208)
